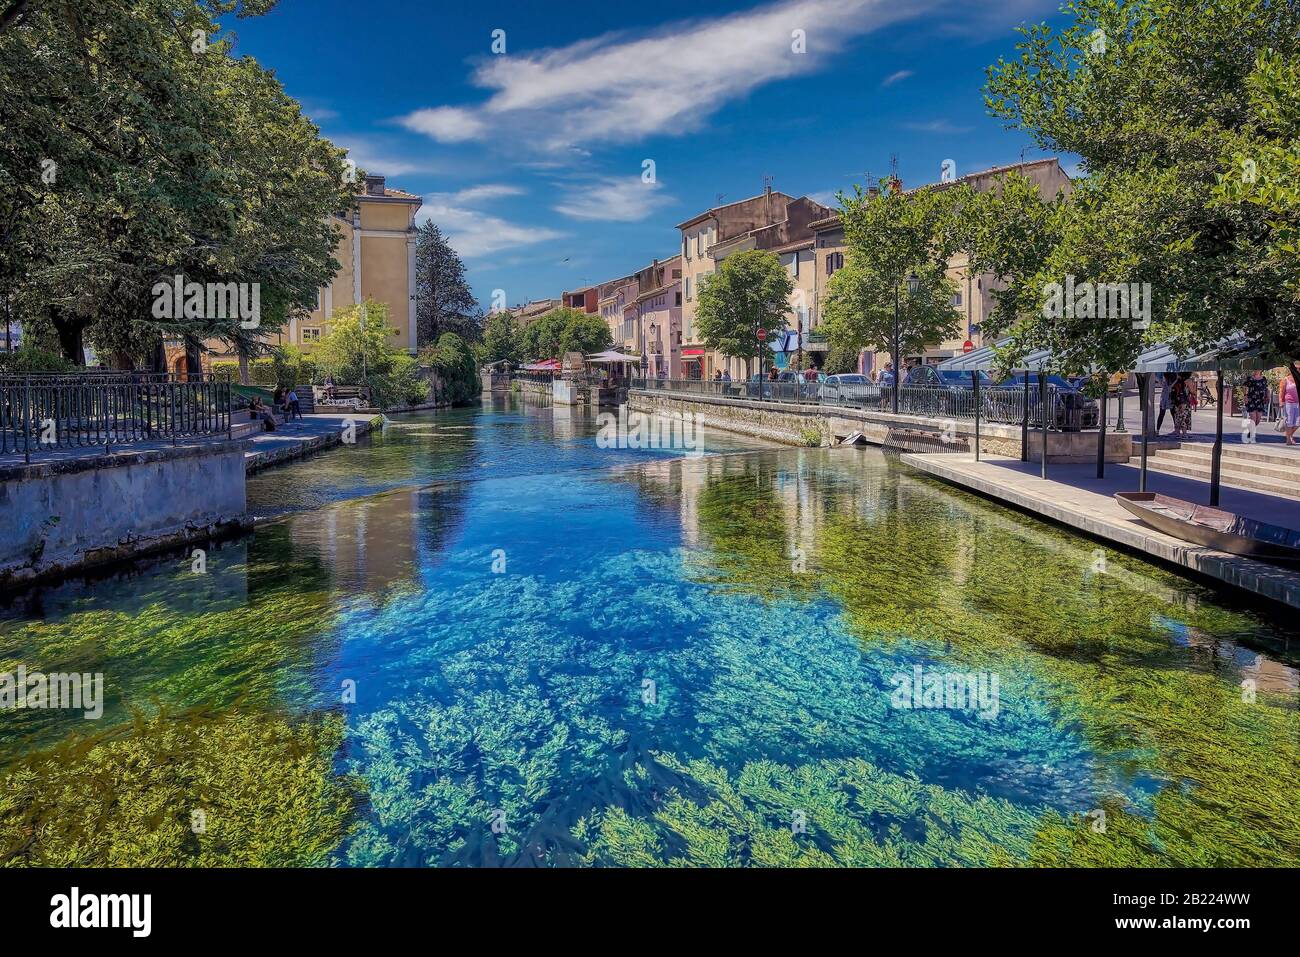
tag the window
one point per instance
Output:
(677, 274)
(956, 299)
(679, 299)
(310, 334)
(688, 288)
(834, 261)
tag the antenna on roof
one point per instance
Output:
(717, 200)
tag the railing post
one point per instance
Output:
(1024, 425)
(27, 414)
(975, 389)
(1101, 436)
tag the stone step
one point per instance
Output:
(1266, 454)
(1237, 479)
(1234, 464)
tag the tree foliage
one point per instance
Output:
(749, 291)
(358, 350)
(444, 302)
(562, 330)
(136, 148)
(452, 359)
(890, 236)
(1164, 100)
(500, 340)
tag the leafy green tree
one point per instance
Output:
(500, 340)
(563, 330)
(1156, 97)
(586, 333)
(444, 302)
(1264, 171)
(357, 350)
(890, 236)
(136, 148)
(749, 291)
(453, 361)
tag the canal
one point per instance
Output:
(484, 638)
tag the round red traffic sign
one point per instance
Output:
(762, 334)
(968, 346)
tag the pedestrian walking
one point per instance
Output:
(1289, 400)
(1256, 404)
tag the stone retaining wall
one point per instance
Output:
(787, 422)
(74, 513)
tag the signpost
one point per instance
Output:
(762, 337)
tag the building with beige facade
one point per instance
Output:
(973, 300)
(376, 253)
(792, 240)
(698, 235)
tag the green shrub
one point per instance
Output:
(33, 360)
(452, 359)
(811, 438)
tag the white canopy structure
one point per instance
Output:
(611, 356)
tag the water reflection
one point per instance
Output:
(679, 660)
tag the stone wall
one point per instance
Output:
(788, 422)
(68, 514)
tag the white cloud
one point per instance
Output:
(375, 161)
(447, 124)
(622, 199)
(486, 192)
(621, 88)
(898, 77)
(473, 233)
(942, 127)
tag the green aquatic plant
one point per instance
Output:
(845, 813)
(191, 788)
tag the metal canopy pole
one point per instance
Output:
(1024, 424)
(1042, 402)
(1144, 403)
(975, 387)
(1217, 461)
(1101, 437)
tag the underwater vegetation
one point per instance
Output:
(683, 663)
(189, 788)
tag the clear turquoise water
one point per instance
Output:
(564, 654)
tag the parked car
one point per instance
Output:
(940, 392)
(795, 382)
(1071, 409)
(848, 388)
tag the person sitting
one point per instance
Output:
(256, 410)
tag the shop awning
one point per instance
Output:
(547, 365)
(692, 353)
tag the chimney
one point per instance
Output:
(374, 186)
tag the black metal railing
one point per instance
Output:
(98, 410)
(1070, 411)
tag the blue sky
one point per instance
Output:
(532, 160)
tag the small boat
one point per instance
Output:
(1213, 527)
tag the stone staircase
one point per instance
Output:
(1269, 468)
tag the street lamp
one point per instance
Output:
(913, 284)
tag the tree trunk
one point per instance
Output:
(71, 340)
(193, 358)
(243, 366)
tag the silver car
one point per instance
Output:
(849, 388)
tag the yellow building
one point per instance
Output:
(376, 253)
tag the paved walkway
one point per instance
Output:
(1073, 496)
(290, 440)
(302, 436)
(1203, 425)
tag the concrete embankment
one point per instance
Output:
(79, 509)
(74, 513)
(306, 437)
(805, 424)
